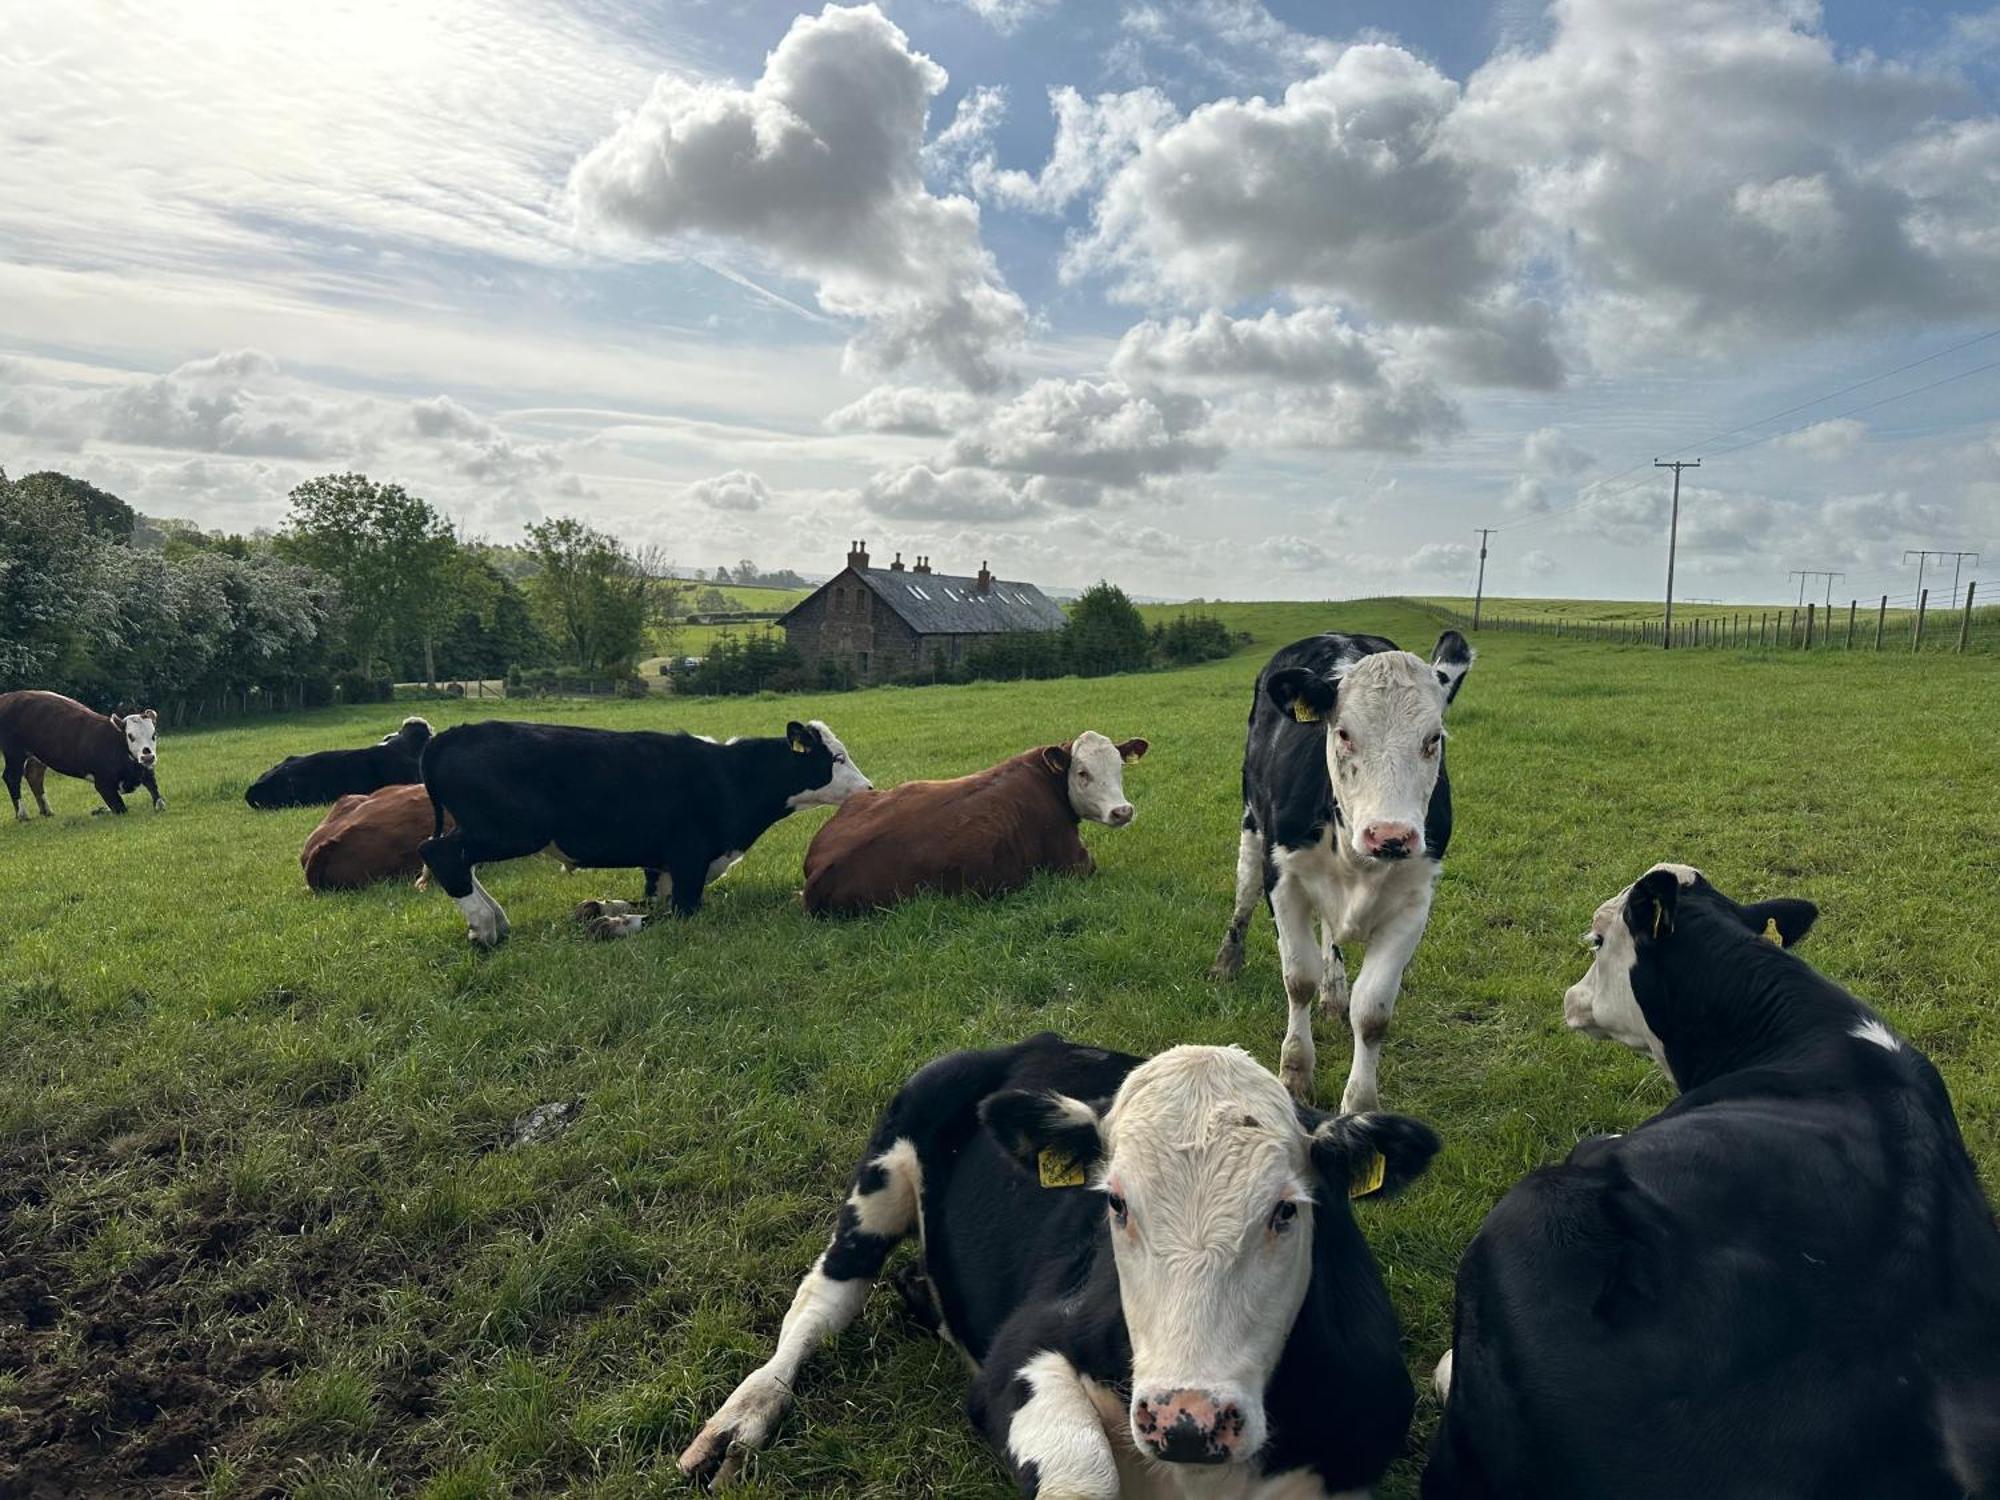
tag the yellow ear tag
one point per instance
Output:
(1771, 933)
(797, 748)
(1659, 921)
(1369, 1179)
(1059, 1169)
(1304, 712)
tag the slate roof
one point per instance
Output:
(943, 604)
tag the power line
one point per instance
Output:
(1802, 574)
(1479, 592)
(1673, 535)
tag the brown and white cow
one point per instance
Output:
(982, 834)
(41, 732)
(368, 837)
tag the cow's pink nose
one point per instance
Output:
(1120, 815)
(1391, 840)
(1188, 1427)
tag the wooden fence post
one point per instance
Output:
(1881, 615)
(1965, 620)
(1852, 604)
(1917, 636)
(1809, 626)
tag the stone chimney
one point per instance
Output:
(923, 565)
(857, 554)
(985, 579)
(897, 565)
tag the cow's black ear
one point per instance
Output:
(1784, 920)
(1651, 905)
(803, 740)
(1369, 1155)
(1451, 659)
(1056, 758)
(1131, 750)
(1051, 1135)
(1306, 696)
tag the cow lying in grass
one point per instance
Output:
(327, 775)
(1147, 1262)
(366, 839)
(984, 834)
(677, 806)
(42, 732)
(1785, 1284)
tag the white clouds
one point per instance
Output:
(222, 404)
(1006, 16)
(1547, 450)
(954, 493)
(1835, 438)
(1100, 431)
(1093, 136)
(917, 411)
(818, 166)
(1295, 554)
(738, 490)
(952, 150)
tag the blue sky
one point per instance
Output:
(1205, 296)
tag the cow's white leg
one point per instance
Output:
(1058, 1430)
(1374, 999)
(1249, 886)
(479, 910)
(880, 1210)
(1441, 1378)
(1333, 976)
(1298, 953)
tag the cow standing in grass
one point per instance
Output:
(678, 806)
(1150, 1264)
(42, 732)
(1346, 814)
(1784, 1286)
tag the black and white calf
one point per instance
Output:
(1151, 1266)
(1784, 1286)
(677, 805)
(1346, 815)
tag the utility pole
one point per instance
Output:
(1673, 537)
(1802, 574)
(1957, 562)
(1479, 592)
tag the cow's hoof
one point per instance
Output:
(1441, 1379)
(1228, 962)
(21, 817)
(746, 1419)
(1295, 1071)
(609, 928)
(160, 805)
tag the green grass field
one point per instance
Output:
(266, 1230)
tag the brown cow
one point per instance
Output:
(42, 732)
(369, 836)
(985, 833)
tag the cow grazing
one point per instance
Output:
(327, 775)
(677, 805)
(368, 838)
(1346, 815)
(985, 833)
(1150, 1264)
(1785, 1284)
(42, 732)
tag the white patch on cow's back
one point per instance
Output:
(891, 1209)
(1872, 1030)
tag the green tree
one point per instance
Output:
(1106, 633)
(394, 557)
(592, 593)
(103, 512)
(48, 567)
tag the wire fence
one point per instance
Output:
(1909, 623)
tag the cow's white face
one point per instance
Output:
(845, 778)
(1097, 778)
(1383, 750)
(1209, 1192)
(142, 732)
(1603, 1004)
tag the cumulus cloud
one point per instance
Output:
(477, 448)
(917, 411)
(1100, 431)
(738, 490)
(969, 136)
(1442, 560)
(1835, 438)
(1304, 379)
(1006, 16)
(920, 492)
(1093, 137)
(1295, 554)
(818, 168)
(1547, 450)
(221, 404)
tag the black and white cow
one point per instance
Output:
(1784, 1285)
(329, 775)
(1346, 814)
(1151, 1266)
(678, 805)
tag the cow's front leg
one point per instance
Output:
(1374, 1001)
(652, 885)
(1333, 974)
(152, 785)
(107, 788)
(1299, 955)
(11, 774)
(687, 880)
(1043, 1420)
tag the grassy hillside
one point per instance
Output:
(266, 1226)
